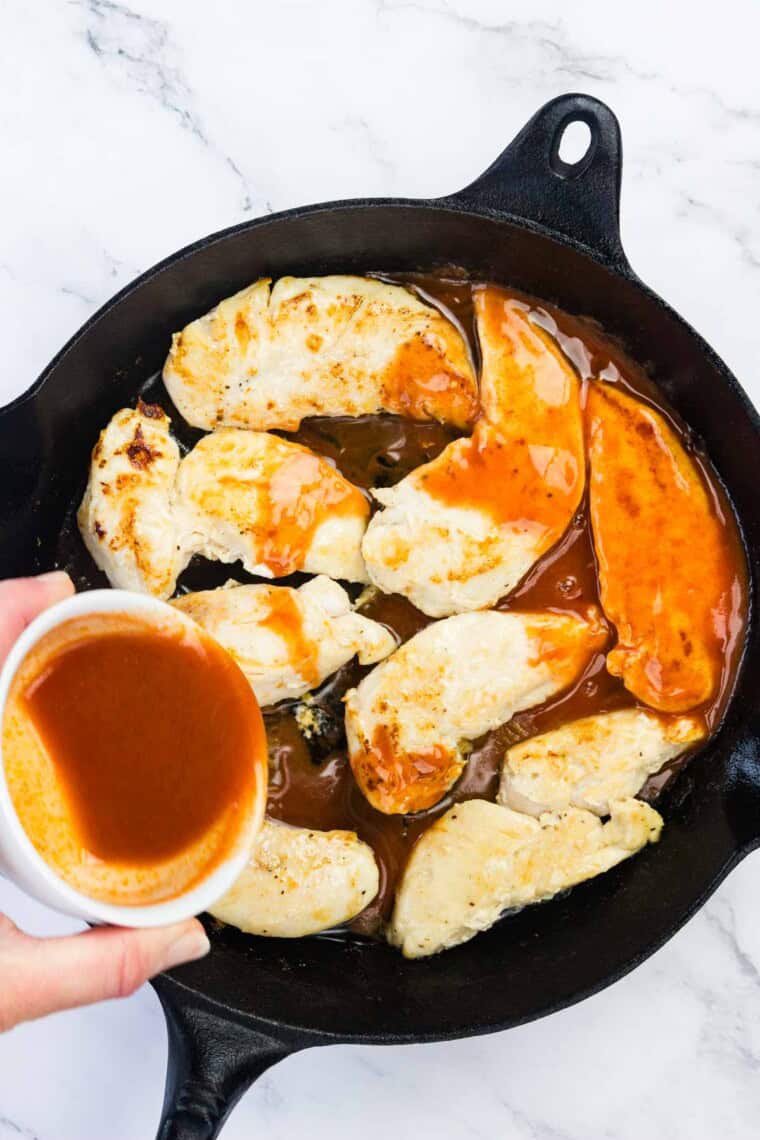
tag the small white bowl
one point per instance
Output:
(19, 858)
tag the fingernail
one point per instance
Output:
(187, 947)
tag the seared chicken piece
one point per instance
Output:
(299, 881)
(460, 532)
(407, 720)
(665, 571)
(274, 504)
(238, 494)
(593, 761)
(480, 859)
(287, 641)
(126, 516)
(329, 346)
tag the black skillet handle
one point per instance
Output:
(212, 1061)
(530, 182)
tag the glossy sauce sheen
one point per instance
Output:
(311, 784)
(523, 464)
(416, 379)
(285, 620)
(296, 492)
(670, 656)
(295, 518)
(153, 737)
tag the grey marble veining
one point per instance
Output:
(130, 129)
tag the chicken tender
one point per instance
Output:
(407, 720)
(299, 881)
(480, 859)
(593, 761)
(273, 504)
(287, 641)
(127, 514)
(329, 346)
(462, 531)
(665, 568)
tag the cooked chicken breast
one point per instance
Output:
(330, 346)
(238, 494)
(460, 532)
(480, 859)
(593, 761)
(299, 882)
(127, 515)
(407, 720)
(287, 641)
(273, 504)
(665, 566)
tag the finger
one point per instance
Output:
(42, 976)
(21, 599)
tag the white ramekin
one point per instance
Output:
(20, 860)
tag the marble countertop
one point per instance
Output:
(130, 129)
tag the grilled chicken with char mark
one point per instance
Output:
(127, 516)
(408, 722)
(275, 505)
(320, 346)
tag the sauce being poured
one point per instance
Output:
(150, 752)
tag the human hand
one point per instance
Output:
(43, 975)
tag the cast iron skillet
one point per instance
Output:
(551, 230)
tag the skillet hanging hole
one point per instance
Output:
(574, 142)
(573, 147)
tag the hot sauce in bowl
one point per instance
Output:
(134, 754)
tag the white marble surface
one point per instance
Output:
(129, 130)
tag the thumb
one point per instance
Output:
(21, 599)
(43, 975)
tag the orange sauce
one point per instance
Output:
(526, 383)
(524, 464)
(667, 572)
(528, 486)
(150, 741)
(418, 384)
(302, 493)
(389, 775)
(284, 618)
